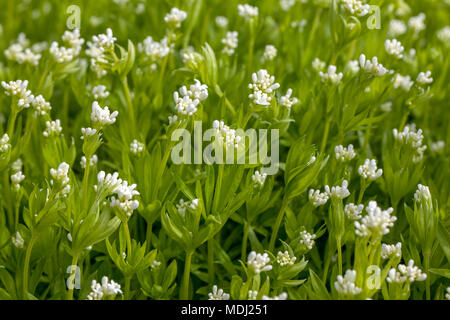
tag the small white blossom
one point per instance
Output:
(136, 147)
(18, 89)
(394, 48)
(247, 11)
(286, 4)
(259, 178)
(437, 146)
(396, 28)
(270, 52)
(108, 181)
(87, 132)
(403, 82)
(16, 179)
(41, 106)
(417, 23)
(258, 262)
(317, 198)
(175, 17)
(447, 295)
(252, 294)
(155, 265)
(344, 154)
(444, 36)
(307, 239)
(53, 128)
(331, 76)
(287, 101)
(100, 92)
(17, 240)
(373, 67)
(391, 250)
(406, 273)
(218, 294)
(318, 64)
(230, 42)
(263, 85)
(424, 78)
(353, 211)
(376, 221)
(284, 258)
(346, 284)
(102, 116)
(92, 161)
(413, 138)
(226, 136)
(107, 289)
(221, 22)
(153, 49)
(61, 178)
(4, 145)
(356, 7)
(422, 193)
(282, 296)
(338, 192)
(369, 170)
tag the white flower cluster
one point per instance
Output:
(61, 178)
(258, 262)
(286, 4)
(376, 222)
(318, 64)
(403, 82)
(259, 178)
(98, 50)
(153, 49)
(183, 205)
(287, 101)
(175, 17)
(353, 67)
(444, 36)
(186, 101)
(136, 147)
(424, 78)
(17, 240)
(346, 284)
(413, 138)
(92, 161)
(437, 146)
(18, 89)
(447, 295)
(417, 23)
(263, 85)
(107, 289)
(16, 179)
(87, 132)
(356, 7)
(396, 28)
(20, 51)
(369, 170)
(108, 181)
(226, 135)
(247, 11)
(284, 258)
(281, 296)
(344, 154)
(270, 52)
(331, 76)
(102, 116)
(125, 201)
(394, 48)
(52, 128)
(40, 105)
(218, 294)
(307, 239)
(230, 42)
(338, 192)
(100, 92)
(221, 22)
(4, 145)
(373, 67)
(422, 193)
(74, 42)
(155, 265)
(317, 198)
(353, 211)
(252, 294)
(406, 273)
(391, 250)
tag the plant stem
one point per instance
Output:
(12, 121)
(127, 288)
(427, 280)
(127, 236)
(211, 271)
(276, 227)
(244, 241)
(148, 236)
(325, 135)
(74, 263)
(363, 189)
(339, 250)
(26, 266)
(187, 272)
(129, 101)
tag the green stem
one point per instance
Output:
(244, 241)
(339, 250)
(325, 135)
(427, 280)
(187, 272)
(26, 266)
(211, 271)
(148, 236)
(74, 263)
(129, 102)
(12, 121)
(364, 186)
(276, 227)
(127, 288)
(128, 237)
(218, 189)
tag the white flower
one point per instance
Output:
(4, 145)
(218, 294)
(331, 76)
(19, 90)
(61, 178)
(16, 179)
(258, 262)
(136, 147)
(338, 192)
(281, 296)
(412, 138)
(286, 4)
(227, 136)
(287, 101)
(403, 82)
(108, 181)
(417, 23)
(346, 284)
(437, 146)
(318, 64)
(353, 211)
(422, 193)
(186, 101)
(406, 273)
(447, 295)
(283, 258)
(87, 132)
(396, 28)
(353, 66)
(100, 92)
(344, 154)
(369, 170)
(221, 22)
(356, 7)
(104, 290)
(72, 38)
(307, 239)
(424, 78)
(259, 178)
(61, 54)
(391, 250)
(17, 240)
(175, 17)
(252, 294)
(394, 48)
(155, 265)
(53, 128)
(20, 52)
(172, 119)
(41, 106)
(270, 52)
(263, 85)
(317, 198)
(17, 165)
(102, 116)
(247, 12)
(230, 42)
(100, 50)
(444, 36)
(372, 67)
(92, 161)
(376, 222)
(153, 49)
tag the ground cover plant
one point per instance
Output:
(351, 96)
